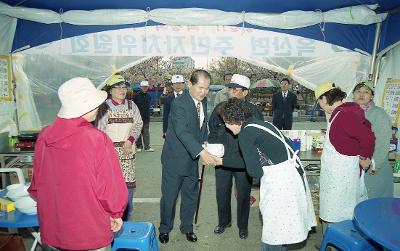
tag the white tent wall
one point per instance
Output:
(7, 31)
(28, 117)
(38, 77)
(389, 68)
(95, 56)
(343, 68)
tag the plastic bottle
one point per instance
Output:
(12, 137)
(396, 168)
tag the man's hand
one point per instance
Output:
(116, 224)
(127, 147)
(207, 158)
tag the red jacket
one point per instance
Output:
(351, 132)
(78, 185)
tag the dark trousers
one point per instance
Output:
(223, 180)
(283, 123)
(145, 136)
(171, 185)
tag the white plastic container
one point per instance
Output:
(215, 149)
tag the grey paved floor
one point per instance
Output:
(146, 207)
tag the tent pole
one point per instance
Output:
(374, 51)
(378, 67)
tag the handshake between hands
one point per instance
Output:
(207, 158)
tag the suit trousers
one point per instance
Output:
(144, 138)
(171, 184)
(223, 180)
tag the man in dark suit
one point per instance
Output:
(187, 131)
(178, 84)
(232, 163)
(283, 104)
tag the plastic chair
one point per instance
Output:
(345, 236)
(136, 235)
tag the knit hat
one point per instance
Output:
(79, 96)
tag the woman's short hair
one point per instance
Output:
(366, 84)
(235, 111)
(334, 95)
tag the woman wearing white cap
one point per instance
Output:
(120, 119)
(77, 181)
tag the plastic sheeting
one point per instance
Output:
(389, 69)
(38, 77)
(361, 14)
(344, 68)
(45, 68)
(28, 117)
(7, 31)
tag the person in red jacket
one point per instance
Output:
(348, 147)
(77, 181)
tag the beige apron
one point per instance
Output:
(285, 201)
(119, 126)
(341, 186)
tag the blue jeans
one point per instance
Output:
(267, 247)
(129, 207)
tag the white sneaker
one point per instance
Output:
(138, 150)
(149, 150)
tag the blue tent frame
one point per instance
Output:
(353, 37)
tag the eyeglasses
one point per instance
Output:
(120, 87)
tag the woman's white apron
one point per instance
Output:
(341, 186)
(285, 201)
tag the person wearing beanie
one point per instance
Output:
(120, 119)
(348, 148)
(379, 179)
(77, 180)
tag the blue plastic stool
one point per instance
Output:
(345, 236)
(136, 235)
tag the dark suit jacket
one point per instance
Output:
(184, 137)
(283, 109)
(166, 109)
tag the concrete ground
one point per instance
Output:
(147, 206)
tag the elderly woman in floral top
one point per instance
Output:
(120, 119)
(379, 180)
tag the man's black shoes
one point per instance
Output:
(220, 229)
(163, 237)
(192, 237)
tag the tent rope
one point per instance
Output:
(243, 20)
(148, 16)
(61, 11)
(322, 23)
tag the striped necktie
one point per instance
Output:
(198, 110)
